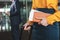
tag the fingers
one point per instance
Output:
(40, 20)
(44, 22)
(26, 26)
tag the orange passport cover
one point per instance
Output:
(38, 15)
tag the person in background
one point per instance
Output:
(41, 30)
(15, 19)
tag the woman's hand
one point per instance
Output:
(43, 22)
(27, 26)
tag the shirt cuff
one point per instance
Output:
(31, 15)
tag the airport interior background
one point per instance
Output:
(5, 28)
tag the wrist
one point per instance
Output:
(30, 22)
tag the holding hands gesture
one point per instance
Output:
(44, 22)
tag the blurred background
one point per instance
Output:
(5, 27)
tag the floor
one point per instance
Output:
(7, 35)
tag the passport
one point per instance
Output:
(42, 13)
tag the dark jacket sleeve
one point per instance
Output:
(15, 9)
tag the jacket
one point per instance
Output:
(15, 13)
(45, 4)
(54, 18)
